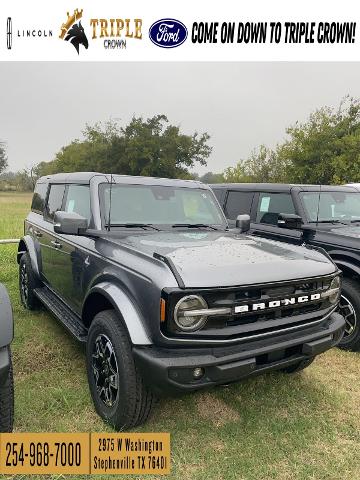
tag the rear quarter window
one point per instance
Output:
(39, 197)
(55, 201)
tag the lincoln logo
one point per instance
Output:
(277, 303)
(9, 33)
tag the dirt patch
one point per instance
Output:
(217, 411)
(217, 445)
(189, 470)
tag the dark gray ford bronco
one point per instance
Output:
(166, 297)
(6, 372)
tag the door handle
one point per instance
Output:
(56, 244)
(38, 233)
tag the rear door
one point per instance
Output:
(34, 222)
(49, 242)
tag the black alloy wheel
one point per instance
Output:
(348, 312)
(28, 282)
(24, 283)
(105, 370)
(119, 392)
(349, 308)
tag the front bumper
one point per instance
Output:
(170, 371)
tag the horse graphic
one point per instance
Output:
(76, 35)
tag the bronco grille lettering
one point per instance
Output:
(277, 303)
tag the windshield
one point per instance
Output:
(333, 206)
(159, 205)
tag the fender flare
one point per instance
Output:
(126, 308)
(344, 255)
(27, 244)
(6, 318)
(350, 266)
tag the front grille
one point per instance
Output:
(237, 296)
(261, 321)
(284, 312)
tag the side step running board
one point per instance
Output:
(62, 313)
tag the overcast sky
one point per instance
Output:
(43, 106)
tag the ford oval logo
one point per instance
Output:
(168, 33)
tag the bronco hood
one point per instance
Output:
(220, 259)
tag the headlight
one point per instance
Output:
(333, 292)
(188, 313)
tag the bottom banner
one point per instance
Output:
(85, 453)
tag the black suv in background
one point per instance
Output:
(324, 216)
(167, 299)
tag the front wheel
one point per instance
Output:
(119, 394)
(7, 399)
(349, 308)
(27, 283)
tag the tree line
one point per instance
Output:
(324, 149)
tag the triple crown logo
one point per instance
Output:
(73, 31)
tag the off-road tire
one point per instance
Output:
(28, 299)
(7, 400)
(297, 367)
(351, 292)
(134, 400)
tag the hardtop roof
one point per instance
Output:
(86, 177)
(282, 187)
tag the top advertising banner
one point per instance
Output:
(201, 31)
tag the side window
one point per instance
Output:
(55, 200)
(219, 194)
(271, 204)
(238, 203)
(39, 197)
(78, 200)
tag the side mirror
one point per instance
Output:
(69, 223)
(289, 220)
(243, 223)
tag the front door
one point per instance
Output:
(70, 258)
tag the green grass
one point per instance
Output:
(304, 426)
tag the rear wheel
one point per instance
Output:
(119, 394)
(27, 283)
(349, 308)
(297, 367)
(7, 400)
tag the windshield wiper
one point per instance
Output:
(194, 225)
(134, 225)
